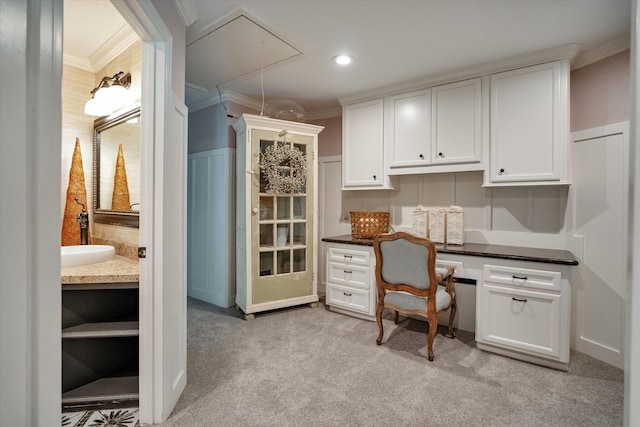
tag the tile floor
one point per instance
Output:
(118, 417)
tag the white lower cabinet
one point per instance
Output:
(351, 281)
(524, 313)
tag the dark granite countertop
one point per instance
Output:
(549, 256)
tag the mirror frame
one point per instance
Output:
(107, 216)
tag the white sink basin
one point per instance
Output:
(71, 256)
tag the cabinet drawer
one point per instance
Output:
(351, 299)
(348, 275)
(348, 256)
(523, 320)
(522, 278)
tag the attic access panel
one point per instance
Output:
(233, 51)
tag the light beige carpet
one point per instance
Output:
(312, 367)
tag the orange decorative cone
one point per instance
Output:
(120, 200)
(76, 189)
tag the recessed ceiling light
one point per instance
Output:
(342, 59)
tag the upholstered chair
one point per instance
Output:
(409, 283)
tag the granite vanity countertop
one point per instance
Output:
(117, 270)
(550, 256)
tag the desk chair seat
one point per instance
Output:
(409, 283)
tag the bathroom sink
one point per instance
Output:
(71, 256)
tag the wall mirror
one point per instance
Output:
(116, 169)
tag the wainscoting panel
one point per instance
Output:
(211, 227)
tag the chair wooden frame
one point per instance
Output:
(431, 314)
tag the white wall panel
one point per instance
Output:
(600, 207)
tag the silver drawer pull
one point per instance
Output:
(348, 271)
(520, 277)
(348, 256)
(519, 299)
(346, 294)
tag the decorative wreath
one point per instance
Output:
(284, 167)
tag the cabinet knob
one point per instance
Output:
(254, 210)
(421, 157)
(501, 170)
(440, 155)
(374, 177)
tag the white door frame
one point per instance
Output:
(156, 104)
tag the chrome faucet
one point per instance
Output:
(83, 220)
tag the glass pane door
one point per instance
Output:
(282, 226)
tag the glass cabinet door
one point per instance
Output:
(282, 224)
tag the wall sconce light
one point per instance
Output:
(110, 95)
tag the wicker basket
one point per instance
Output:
(367, 225)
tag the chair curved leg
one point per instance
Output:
(453, 309)
(379, 310)
(433, 328)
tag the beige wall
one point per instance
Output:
(600, 93)
(76, 87)
(330, 139)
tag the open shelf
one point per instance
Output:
(102, 330)
(104, 389)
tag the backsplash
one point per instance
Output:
(124, 239)
(532, 211)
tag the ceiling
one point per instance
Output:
(285, 47)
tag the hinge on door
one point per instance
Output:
(142, 252)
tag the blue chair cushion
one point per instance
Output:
(412, 302)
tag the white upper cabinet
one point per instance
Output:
(408, 129)
(363, 165)
(434, 130)
(456, 123)
(528, 132)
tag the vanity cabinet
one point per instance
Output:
(99, 343)
(363, 166)
(351, 283)
(276, 229)
(524, 311)
(528, 132)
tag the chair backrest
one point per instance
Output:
(405, 262)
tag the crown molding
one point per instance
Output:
(562, 52)
(324, 114)
(117, 44)
(77, 62)
(601, 52)
(187, 11)
(212, 98)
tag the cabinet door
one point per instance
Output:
(408, 128)
(456, 123)
(362, 148)
(282, 220)
(526, 321)
(525, 123)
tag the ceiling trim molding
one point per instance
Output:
(117, 44)
(601, 52)
(213, 98)
(77, 62)
(324, 114)
(187, 11)
(562, 52)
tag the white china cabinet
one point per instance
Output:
(276, 231)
